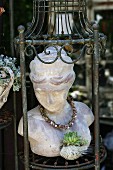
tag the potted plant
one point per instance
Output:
(73, 146)
(9, 76)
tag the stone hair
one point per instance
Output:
(57, 72)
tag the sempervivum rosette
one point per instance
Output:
(73, 146)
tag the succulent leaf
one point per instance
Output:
(72, 138)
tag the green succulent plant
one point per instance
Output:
(72, 138)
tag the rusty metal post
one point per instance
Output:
(96, 95)
(88, 71)
(11, 26)
(14, 93)
(24, 96)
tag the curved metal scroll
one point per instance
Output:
(74, 61)
(30, 50)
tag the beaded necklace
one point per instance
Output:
(59, 126)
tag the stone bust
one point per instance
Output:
(51, 83)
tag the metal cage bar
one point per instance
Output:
(11, 3)
(24, 97)
(96, 95)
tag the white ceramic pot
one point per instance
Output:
(72, 152)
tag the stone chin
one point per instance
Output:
(53, 109)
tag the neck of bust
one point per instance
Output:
(59, 113)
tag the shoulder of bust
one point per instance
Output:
(84, 111)
(80, 106)
(34, 114)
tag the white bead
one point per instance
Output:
(51, 123)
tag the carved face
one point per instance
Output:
(52, 100)
(52, 91)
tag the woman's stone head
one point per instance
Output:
(51, 82)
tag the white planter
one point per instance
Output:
(72, 152)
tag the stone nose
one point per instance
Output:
(50, 99)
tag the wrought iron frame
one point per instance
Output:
(92, 43)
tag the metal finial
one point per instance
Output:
(95, 26)
(21, 28)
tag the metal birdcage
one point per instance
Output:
(61, 23)
(59, 18)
